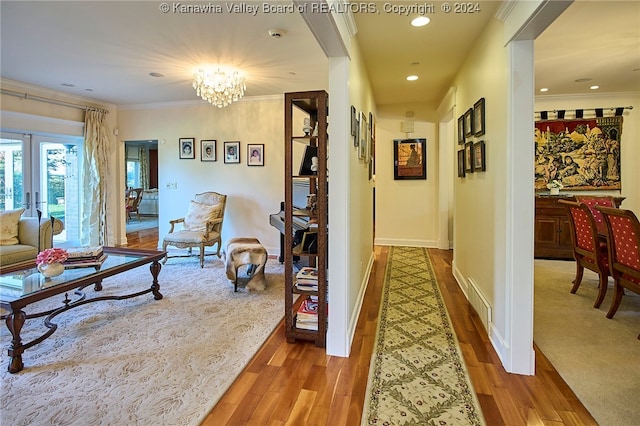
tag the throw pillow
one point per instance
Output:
(199, 214)
(9, 227)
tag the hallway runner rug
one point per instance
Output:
(417, 375)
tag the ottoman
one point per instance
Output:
(245, 251)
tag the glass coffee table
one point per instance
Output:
(23, 285)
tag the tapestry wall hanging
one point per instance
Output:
(583, 154)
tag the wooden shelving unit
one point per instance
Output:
(299, 105)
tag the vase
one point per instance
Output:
(554, 191)
(49, 270)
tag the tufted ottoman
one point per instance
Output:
(245, 251)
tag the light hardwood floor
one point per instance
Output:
(298, 384)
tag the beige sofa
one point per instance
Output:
(27, 248)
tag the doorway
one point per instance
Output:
(141, 166)
(42, 174)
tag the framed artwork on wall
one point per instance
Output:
(478, 118)
(187, 148)
(479, 164)
(255, 154)
(461, 163)
(362, 133)
(468, 157)
(208, 150)
(468, 123)
(232, 152)
(409, 159)
(461, 130)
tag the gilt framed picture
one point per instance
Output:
(461, 130)
(187, 148)
(468, 157)
(208, 150)
(468, 123)
(461, 167)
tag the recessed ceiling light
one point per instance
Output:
(582, 80)
(88, 90)
(420, 21)
(412, 77)
(156, 74)
(594, 87)
(68, 85)
(413, 64)
(544, 89)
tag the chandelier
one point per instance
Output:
(219, 88)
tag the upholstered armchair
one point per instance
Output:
(624, 252)
(588, 250)
(201, 227)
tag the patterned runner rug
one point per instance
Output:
(417, 376)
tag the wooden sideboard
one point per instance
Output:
(552, 234)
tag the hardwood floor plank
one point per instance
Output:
(283, 381)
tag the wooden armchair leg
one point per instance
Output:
(617, 298)
(578, 280)
(602, 290)
(202, 255)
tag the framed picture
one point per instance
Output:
(461, 130)
(479, 164)
(478, 117)
(255, 154)
(468, 157)
(410, 159)
(362, 133)
(461, 167)
(468, 123)
(232, 152)
(354, 123)
(208, 151)
(309, 165)
(187, 148)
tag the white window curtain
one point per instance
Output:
(94, 201)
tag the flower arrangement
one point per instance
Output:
(555, 184)
(51, 255)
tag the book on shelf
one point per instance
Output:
(307, 286)
(85, 262)
(307, 275)
(308, 309)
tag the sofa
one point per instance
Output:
(21, 238)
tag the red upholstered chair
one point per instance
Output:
(624, 251)
(588, 250)
(592, 201)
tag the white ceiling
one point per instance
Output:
(107, 49)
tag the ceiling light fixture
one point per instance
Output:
(412, 77)
(420, 21)
(594, 87)
(219, 88)
(544, 89)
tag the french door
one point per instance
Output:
(43, 173)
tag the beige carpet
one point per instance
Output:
(417, 375)
(141, 361)
(599, 358)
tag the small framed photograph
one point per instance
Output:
(468, 123)
(461, 130)
(461, 167)
(255, 154)
(208, 150)
(478, 117)
(232, 152)
(187, 148)
(410, 159)
(468, 157)
(479, 164)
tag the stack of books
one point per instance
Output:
(307, 279)
(82, 257)
(307, 315)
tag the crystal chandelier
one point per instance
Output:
(219, 88)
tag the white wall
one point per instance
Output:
(253, 192)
